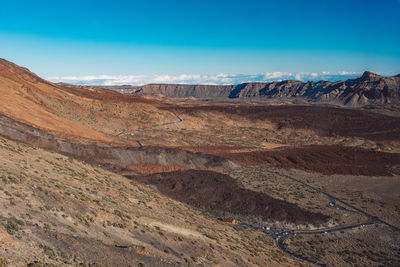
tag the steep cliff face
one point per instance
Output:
(183, 90)
(370, 88)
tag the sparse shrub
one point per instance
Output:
(72, 229)
(47, 227)
(120, 225)
(119, 213)
(12, 179)
(210, 236)
(17, 194)
(85, 220)
(12, 227)
(48, 251)
(35, 264)
(122, 215)
(3, 262)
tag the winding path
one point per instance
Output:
(281, 240)
(335, 199)
(283, 235)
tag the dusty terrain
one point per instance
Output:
(324, 120)
(58, 211)
(219, 194)
(363, 247)
(378, 195)
(86, 170)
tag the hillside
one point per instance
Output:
(87, 115)
(370, 88)
(86, 123)
(58, 211)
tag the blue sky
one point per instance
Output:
(143, 41)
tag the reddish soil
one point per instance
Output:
(216, 192)
(85, 114)
(322, 159)
(328, 121)
(106, 95)
(149, 168)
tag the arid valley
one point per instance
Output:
(263, 174)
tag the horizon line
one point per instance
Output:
(204, 79)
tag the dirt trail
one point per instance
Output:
(177, 230)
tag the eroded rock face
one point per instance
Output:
(370, 88)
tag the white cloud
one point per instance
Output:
(221, 78)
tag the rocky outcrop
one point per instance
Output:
(370, 88)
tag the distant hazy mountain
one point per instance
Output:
(370, 88)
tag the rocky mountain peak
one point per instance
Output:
(367, 75)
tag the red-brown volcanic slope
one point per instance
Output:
(318, 158)
(217, 192)
(19, 100)
(96, 115)
(84, 114)
(323, 159)
(324, 120)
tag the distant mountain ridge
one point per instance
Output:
(370, 88)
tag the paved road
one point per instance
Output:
(332, 202)
(337, 200)
(282, 246)
(282, 235)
